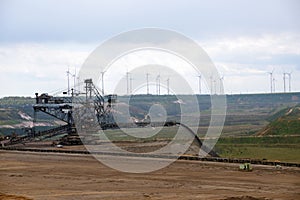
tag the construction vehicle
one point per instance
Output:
(246, 167)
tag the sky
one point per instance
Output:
(40, 40)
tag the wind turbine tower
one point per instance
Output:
(74, 81)
(199, 84)
(127, 80)
(211, 84)
(284, 84)
(102, 79)
(290, 77)
(271, 80)
(168, 85)
(68, 75)
(130, 87)
(215, 86)
(147, 79)
(274, 80)
(158, 84)
(221, 81)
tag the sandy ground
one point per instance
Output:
(25, 175)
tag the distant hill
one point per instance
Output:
(17, 113)
(284, 122)
(247, 110)
(15, 101)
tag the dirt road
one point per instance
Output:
(59, 176)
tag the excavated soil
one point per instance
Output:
(12, 197)
(26, 175)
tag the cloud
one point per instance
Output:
(27, 67)
(261, 52)
(262, 47)
(247, 59)
(63, 20)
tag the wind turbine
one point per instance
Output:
(102, 79)
(215, 86)
(271, 80)
(168, 85)
(211, 84)
(68, 75)
(130, 87)
(284, 84)
(74, 80)
(199, 84)
(127, 80)
(221, 81)
(147, 79)
(274, 80)
(290, 77)
(158, 84)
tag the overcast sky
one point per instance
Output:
(39, 40)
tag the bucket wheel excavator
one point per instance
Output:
(62, 109)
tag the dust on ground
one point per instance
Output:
(64, 177)
(12, 197)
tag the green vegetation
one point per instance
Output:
(283, 148)
(271, 148)
(284, 122)
(285, 127)
(11, 111)
(246, 115)
(262, 141)
(9, 114)
(14, 101)
(163, 133)
(282, 154)
(9, 122)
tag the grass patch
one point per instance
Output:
(285, 149)
(284, 154)
(287, 140)
(9, 122)
(159, 133)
